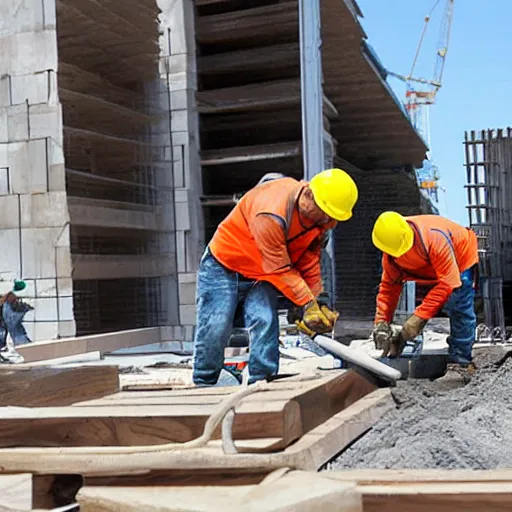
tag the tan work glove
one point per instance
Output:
(381, 336)
(331, 315)
(412, 327)
(315, 320)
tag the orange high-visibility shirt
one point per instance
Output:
(442, 250)
(264, 238)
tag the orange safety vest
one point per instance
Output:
(265, 239)
(442, 250)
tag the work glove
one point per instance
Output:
(381, 336)
(315, 320)
(411, 328)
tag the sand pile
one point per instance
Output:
(468, 427)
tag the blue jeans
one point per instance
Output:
(219, 291)
(11, 322)
(461, 310)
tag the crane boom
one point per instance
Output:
(421, 92)
(444, 41)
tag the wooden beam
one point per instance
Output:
(309, 452)
(250, 153)
(124, 266)
(103, 343)
(241, 61)
(249, 24)
(297, 491)
(142, 425)
(441, 497)
(249, 97)
(41, 387)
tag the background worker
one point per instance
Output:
(270, 243)
(435, 251)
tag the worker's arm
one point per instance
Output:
(390, 288)
(442, 258)
(269, 233)
(309, 265)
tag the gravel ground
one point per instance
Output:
(434, 426)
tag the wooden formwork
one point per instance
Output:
(134, 439)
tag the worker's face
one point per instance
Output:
(310, 210)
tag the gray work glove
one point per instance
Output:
(381, 335)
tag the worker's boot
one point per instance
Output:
(10, 356)
(457, 375)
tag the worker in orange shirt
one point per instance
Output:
(268, 245)
(435, 251)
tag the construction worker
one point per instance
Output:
(12, 312)
(268, 245)
(435, 251)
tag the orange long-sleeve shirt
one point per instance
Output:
(442, 250)
(265, 238)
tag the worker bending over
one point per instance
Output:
(430, 250)
(270, 243)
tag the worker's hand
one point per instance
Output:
(331, 315)
(412, 327)
(396, 345)
(381, 336)
(314, 320)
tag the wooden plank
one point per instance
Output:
(39, 351)
(268, 57)
(406, 477)
(440, 497)
(309, 452)
(15, 492)
(250, 153)
(297, 491)
(326, 440)
(142, 425)
(249, 24)
(249, 97)
(41, 387)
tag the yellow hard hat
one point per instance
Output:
(335, 193)
(392, 234)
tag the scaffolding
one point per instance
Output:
(489, 197)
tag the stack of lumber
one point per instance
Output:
(69, 435)
(71, 423)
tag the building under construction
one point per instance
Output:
(489, 197)
(125, 141)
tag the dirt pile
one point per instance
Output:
(468, 427)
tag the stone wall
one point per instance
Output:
(34, 220)
(178, 65)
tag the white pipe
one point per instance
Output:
(358, 357)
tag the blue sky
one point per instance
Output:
(477, 82)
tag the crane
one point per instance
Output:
(421, 93)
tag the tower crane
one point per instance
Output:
(421, 93)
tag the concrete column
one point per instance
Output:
(34, 220)
(317, 147)
(178, 63)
